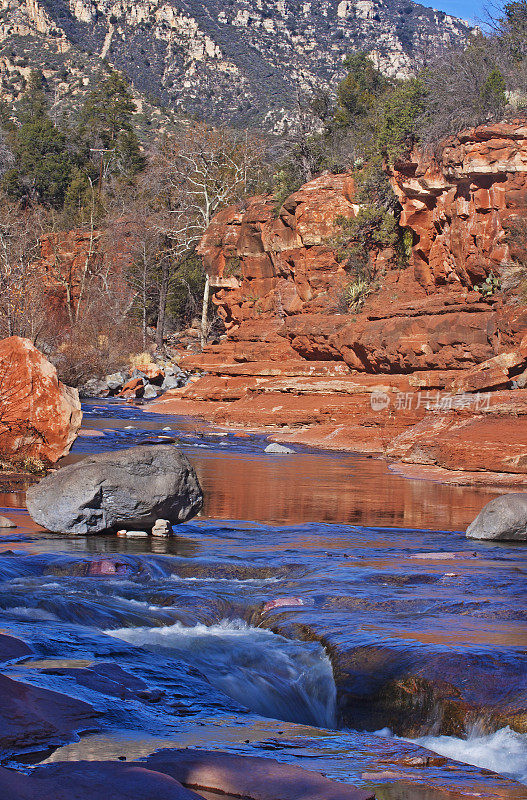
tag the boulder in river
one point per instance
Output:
(278, 449)
(125, 489)
(504, 518)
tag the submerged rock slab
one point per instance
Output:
(504, 518)
(13, 648)
(130, 488)
(91, 780)
(249, 777)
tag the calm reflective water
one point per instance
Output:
(377, 565)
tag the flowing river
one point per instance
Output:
(320, 610)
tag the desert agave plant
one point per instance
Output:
(357, 292)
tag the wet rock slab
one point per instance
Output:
(31, 717)
(93, 780)
(249, 777)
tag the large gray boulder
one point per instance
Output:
(504, 518)
(128, 488)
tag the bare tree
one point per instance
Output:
(21, 289)
(194, 175)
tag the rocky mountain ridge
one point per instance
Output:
(238, 61)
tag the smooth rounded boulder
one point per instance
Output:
(503, 519)
(128, 488)
(39, 415)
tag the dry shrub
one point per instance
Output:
(96, 347)
(140, 360)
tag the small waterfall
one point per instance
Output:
(504, 751)
(273, 676)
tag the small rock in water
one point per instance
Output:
(444, 556)
(504, 519)
(283, 602)
(274, 447)
(136, 534)
(168, 428)
(161, 528)
(5, 522)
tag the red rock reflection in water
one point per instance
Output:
(326, 488)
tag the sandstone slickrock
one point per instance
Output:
(39, 415)
(12, 648)
(249, 777)
(130, 488)
(91, 780)
(414, 692)
(504, 519)
(31, 717)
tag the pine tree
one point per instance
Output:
(42, 163)
(107, 127)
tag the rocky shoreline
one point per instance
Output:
(429, 368)
(476, 442)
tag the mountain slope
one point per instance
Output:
(241, 61)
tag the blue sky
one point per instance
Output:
(471, 10)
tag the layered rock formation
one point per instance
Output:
(424, 339)
(39, 415)
(240, 61)
(459, 206)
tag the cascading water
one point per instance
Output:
(503, 751)
(271, 675)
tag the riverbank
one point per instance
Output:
(420, 433)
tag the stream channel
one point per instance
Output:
(383, 593)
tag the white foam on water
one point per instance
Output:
(504, 751)
(273, 676)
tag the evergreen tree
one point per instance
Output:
(42, 163)
(493, 97)
(107, 127)
(359, 91)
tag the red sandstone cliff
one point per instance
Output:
(293, 357)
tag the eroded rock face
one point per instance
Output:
(39, 415)
(108, 491)
(459, 206)
(296, 357)
(280, 275)
(504, 518)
